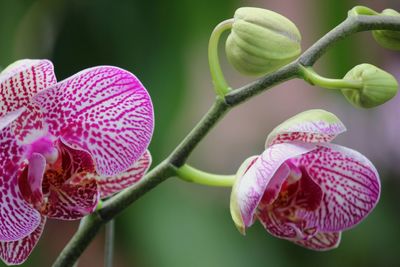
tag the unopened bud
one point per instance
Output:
(261, 41)
(378, 86)
(386, 38)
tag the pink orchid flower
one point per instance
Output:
(302, 188)
(65, 145)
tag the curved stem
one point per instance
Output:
(220, 85)
(109, 244)
(310, 76)
(178, 157)
(194, 175)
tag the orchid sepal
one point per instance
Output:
(312, 126)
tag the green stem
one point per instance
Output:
(81, 223)
(194, 175)
(109, 244)
(220, 85)
(310, 76)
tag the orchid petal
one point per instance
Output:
(350, 185)
(16, 252)
(72, 201)
(274, 186)
(113, 184)
(30, 126)
(103, 110)
(30, 182)
(321, 241)
(20, 81)
(310, 194)
(17, 218)
(11, 116)
(251, 186)
(74, 161)
(311, 126)
(280, 219)
(234, 204)
(276, 226)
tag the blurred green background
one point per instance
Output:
(165, 44)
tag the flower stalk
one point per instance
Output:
(220, 85)
(109, 244)
(193, 175)
(313, 78)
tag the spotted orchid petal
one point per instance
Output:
(311, 126)
(17, 218)
(103, 110)
(30, 181)
(249, 188)
(72, 201)
(321, 241)
(113, 184)
(350, 185)
(10, 117)
(16, 252)
(20, 81)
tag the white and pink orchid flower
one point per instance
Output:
(65, 145)
(303, 188)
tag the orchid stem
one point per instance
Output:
(220, 85)
(109, 244)
(194, 175)
(313, 78)
(81, 223)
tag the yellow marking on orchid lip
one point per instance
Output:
(292, 215)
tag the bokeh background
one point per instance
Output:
(165, 44)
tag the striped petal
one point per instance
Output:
(321, 241)
(20, 81)
(16, 252)
(312, 126)
(280, 218)
(113, 184)
(249, 188)
(17, 218)
(72, 201)
(103, 110)
(350, 186)
(278, 226)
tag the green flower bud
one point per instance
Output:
(377, 86)
(386, 38)
(261, 41)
